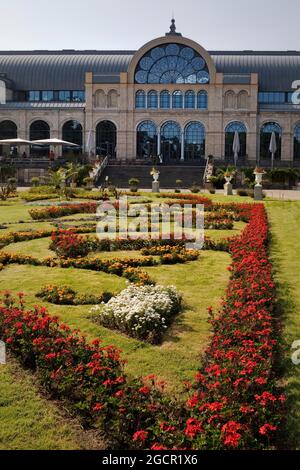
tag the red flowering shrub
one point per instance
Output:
(67, 244)
(85, 374)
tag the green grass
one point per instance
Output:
(37, 248)
(285, 223)
(29, 421)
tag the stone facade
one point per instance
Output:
(115, 102)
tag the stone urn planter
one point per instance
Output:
(155, 183)
(258, 192)
(228, 186)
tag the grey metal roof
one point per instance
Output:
(59, 70)
(276, 70)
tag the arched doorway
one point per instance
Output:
(171, 141)
(72, 132)
(106, 139)
(297, 142)
(8, 130)
(39, 130)
(146, 139)
(230, 131)
(194, 141)
(265, 139)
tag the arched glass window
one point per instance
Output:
(202, 100)
(170, 141)
(172, 63)
(297, 142)
(106, 139)
(265, 139)
(189, 100)
(194, 141)
(72, 132)
(165, 99)
(39, 130)
(177, 100)
(230, 131)
(152, 100)
(146, 139)
(140, 99)
(8, 130)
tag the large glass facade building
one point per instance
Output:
(171, 98)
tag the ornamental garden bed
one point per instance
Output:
(233, 402)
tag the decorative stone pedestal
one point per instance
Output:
(155, 187)
(228, 189)
(258, 193)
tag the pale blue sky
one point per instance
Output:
(128, 24)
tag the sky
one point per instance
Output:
(128, 24)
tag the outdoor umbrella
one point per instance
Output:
(53, 142)
(273, 147)
(90, 144)
(236, 147)
(15, 142)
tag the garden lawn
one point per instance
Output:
(179, 356)
(29, 421)
(285, 224)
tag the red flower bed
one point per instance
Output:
(86, 374)
(54, 212)
(235, 401)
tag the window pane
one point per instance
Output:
(165, 100)
(78, 96)
(202, 100)
(177, 99)
(140, 99)
(47, 95)
(64, 96)
(152, 99)
(33, 96)
(189, 100)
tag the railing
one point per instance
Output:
(205, 172)
(99, 169)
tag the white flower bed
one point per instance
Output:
(142, 312)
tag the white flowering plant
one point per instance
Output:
(143, 312)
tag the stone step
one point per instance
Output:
(120, 175)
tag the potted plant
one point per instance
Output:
(89, 182)
(134, 184)
(35, 181)
(228, 175)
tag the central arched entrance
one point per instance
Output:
(170, 142)
(106, 139)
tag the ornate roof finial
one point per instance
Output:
(173, 29)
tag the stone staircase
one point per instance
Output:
(120, 174)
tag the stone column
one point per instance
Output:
(158, 143)
(182, 146)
